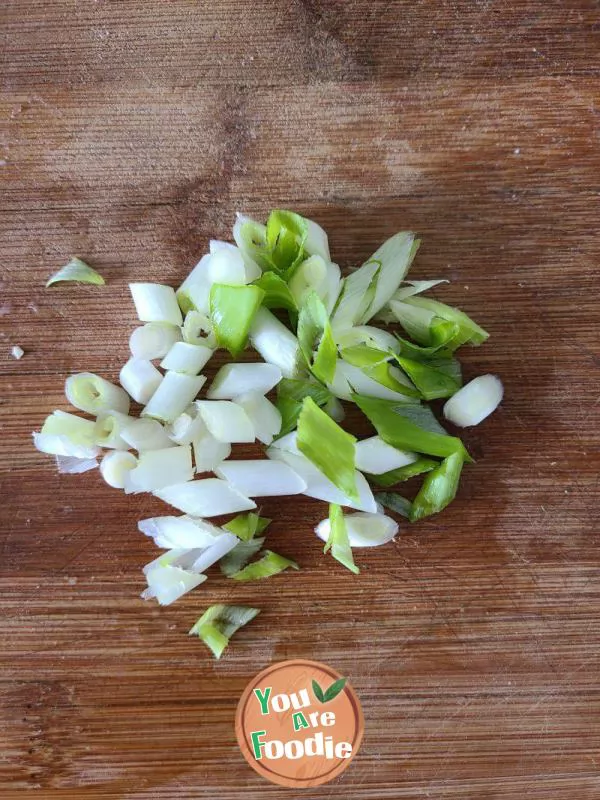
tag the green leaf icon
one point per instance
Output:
(318, 692)
(334, 689)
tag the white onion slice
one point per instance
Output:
(375, 456)
(264, 416)
(179, 532)
(155, 303)
(186, 358)
(146, 434)
(173, 396)
(261, 478)
(93, 394)
(475, 401)
(364, 530)
(153, 340)
(116, 466)
(235, 379)
(158, 468)
(226, 421)
(205, 498)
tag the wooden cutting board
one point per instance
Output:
(133, 133)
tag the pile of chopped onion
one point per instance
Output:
(278, 292)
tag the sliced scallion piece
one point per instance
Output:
(153, 340)
(93, 394)
(330, 448)
(140, 379)
(338, 541)
(264, 416)
(174, 394)
(76, 271)
(246, 526)
(276, 344)
(155, 303)
(186, 358)
(277, 292)
(232, 310)
(241, 554)
(475, 401)
(394, 476)
(439, 488)
(233, 380)
(316, 338)
(116, 466)
(290, 395)
(218, 624)
(395, 502)
(270, 564)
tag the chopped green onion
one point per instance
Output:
(291, 393)
(70, 465)
(232, 310)
(367, 335)
(140, 379)
(173, 396)
(146, 434)
(270, 564)
(276, 343)
(475, 401)
(319, 486)
(432, 383)
(246, 526)
(330, 448)
(186, 358)
(218, 624)
(210, 497)
(209, 452)
(155, 303)
(412, 288)
(66, 434)
(261, 478)
(376, 457)
(251, 237)
(364, 356)
(153, 340)
(180, 533)
(226, 421)
(233, 380)
(187, 428)
(159, 468)
(316, 338)
(108, 429)
(169, 583)
(311, 276)
(338, 541)
(116, 466)
(394, 476)
(409, 427)
(277, 292)
(264, 416)
(334, 409)
(316, 242)
(357, 293)
(395, 502)
(374, 382)
(439, 488)
(364, 530)
(93, 394)
(222, 545)
(77, 271)
(241, 554)
(395, 257)
(197, 329)
(286, 236)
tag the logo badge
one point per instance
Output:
(299, 723)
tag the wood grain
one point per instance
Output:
(132, 133)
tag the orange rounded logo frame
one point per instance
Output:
(333, 725)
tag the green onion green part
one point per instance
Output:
(338, 541)
(218, 624)
(270, 564)
(232, 310)
(76, 271)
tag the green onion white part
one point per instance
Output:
(186, 358)
(17, 352)
(154, 340)
(146, 434)
(116, 466)
(261, 478)
(209, 497)
(159, 468)
(235, 379)
(278, 293)
(93, 394)
(364, 530)
(226, 421)
(475, 401)
(174, 394)
(155, 303)
(140, 379)
(108, 428)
